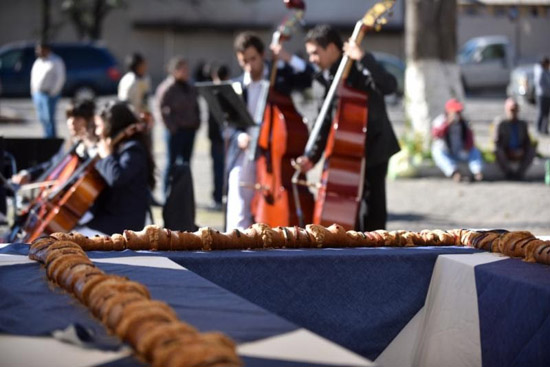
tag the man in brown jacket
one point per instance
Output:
(177, 106)
(512, 142)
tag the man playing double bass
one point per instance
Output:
(325, 49)
(241, 172)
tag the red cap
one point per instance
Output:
(453, 105)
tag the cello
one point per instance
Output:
(68, 204)
(282, 137)
(341, 184)
(52, 179)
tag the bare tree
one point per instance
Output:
(432, 75)
(87, 16)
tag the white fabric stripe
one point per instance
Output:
(24, 351)
(450, 333)
(150, 261)
(302, 346)
(7, 259)
(400, 352)
(445, 332)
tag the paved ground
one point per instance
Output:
(425, 202)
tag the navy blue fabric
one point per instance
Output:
(358, 298)
(203, 304)
(514, 313)
(248, 362)
(32, 306)
(15, 249)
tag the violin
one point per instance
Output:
(282, 137)
(340, 188)
(68, 204)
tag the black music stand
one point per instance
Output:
(225, 104)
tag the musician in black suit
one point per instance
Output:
(292, 75)
(325, 49)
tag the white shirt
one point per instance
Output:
(48, 75)
(254, 88)
(134, 89)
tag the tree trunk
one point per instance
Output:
(100, 11)
(432, 75)
(46, 23)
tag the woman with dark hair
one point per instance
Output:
(135, 85)
(127, 166)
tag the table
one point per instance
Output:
(422, 306)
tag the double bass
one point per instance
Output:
(69, 203)
(282, 137)
(341, 184)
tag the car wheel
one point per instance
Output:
(84, 92)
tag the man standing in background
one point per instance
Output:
(177, 107)
(47, 79)
(542, 91)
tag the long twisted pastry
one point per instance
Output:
(151, 327)
(515, 244)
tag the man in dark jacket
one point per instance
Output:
(512, 142)
(325, 49)
(177, 106)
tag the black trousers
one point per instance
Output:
(372, 213)
(543, 106)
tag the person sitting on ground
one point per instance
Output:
(454, 142)
(512, 142)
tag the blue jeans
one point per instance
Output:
(448, 162)
(179, 148)
(45, 108)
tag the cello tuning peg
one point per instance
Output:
(377, 27)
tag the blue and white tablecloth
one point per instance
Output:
(317, 307)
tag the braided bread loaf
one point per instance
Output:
(151, 327)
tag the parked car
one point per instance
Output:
(91, 69)
(522, 86)
(486, 62)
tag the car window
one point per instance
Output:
(493, 52)
(11, 60)
(467, 52)
(82, 57)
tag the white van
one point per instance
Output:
(486, 62)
